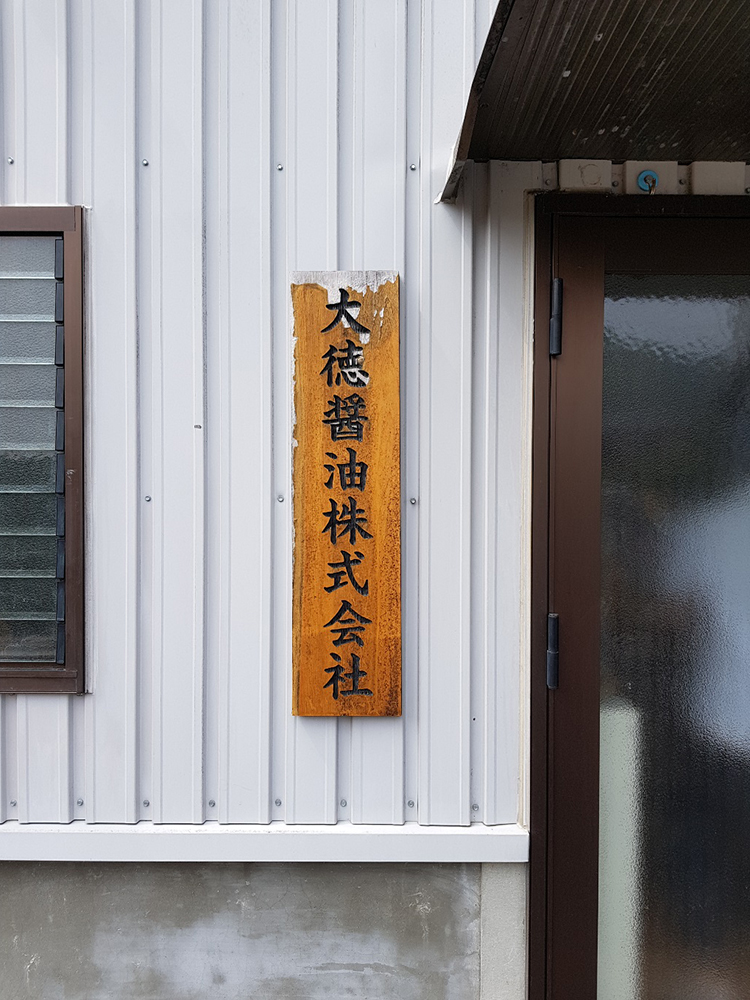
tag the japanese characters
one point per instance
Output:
(345, 523)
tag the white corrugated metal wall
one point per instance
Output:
(279, 135)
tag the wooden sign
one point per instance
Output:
(347, 504)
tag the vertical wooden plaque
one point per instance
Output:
(347, 485)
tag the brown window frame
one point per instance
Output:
(563, 897)
(68, 677)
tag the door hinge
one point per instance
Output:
(553, 651)
(555, 318)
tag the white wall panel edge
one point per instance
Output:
(508, 489)
(534, 183)
(276, 842)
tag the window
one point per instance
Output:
(41, 451)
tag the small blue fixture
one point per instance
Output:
(648, 180)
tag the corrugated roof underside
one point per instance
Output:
(619, 79)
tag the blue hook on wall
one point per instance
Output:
(648, 180)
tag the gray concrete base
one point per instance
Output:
(503, 927)
(239, 931)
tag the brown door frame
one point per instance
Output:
(563, 885)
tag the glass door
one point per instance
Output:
(649, 572)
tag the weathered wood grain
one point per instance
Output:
(319, 490)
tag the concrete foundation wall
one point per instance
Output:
(271, 932)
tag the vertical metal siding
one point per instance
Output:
(176, 480)
(377, 237)
(238, 168)
(501, 483)
(34, 50)
(308, 184)
(102, 55)
(445, 436)
(189, 363)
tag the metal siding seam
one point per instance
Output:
(244, 409)
(22, 744)
(198, 278)
(6, 98)
(311, 185)
(280, 578)
(17, 175)
(522, 746)
(446, 439)
(45, 731)
(44, 784)
(411, 409)
(376, 794)
(65, 769)
(179, 407)
(156, 480)
(62, 119)
(483, 499)
(506, 491)
(107, 179)
(219, 550)
(41, 160)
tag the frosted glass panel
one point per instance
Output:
(27, 343)
(27, 299)
(27, 255)
(27, 385)
(674, 895)
(27, 472)
(33, 599)
(23, 428)
(32, 563)
(28, 555)
(28, 514)
(36, 640)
